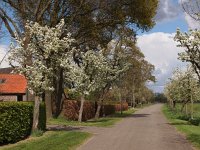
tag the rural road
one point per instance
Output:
(147, 129)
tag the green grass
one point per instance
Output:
(192, 132)
(102, 122)
(196, 109)
(51, 140)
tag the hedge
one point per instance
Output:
(124, 107)
(107, 110)
(195, 121)
(71, 109)
(16, 120)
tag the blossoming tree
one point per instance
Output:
(191, 43)
(94, 73)
(183, 88)
(38, 62)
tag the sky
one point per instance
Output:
(157, 44)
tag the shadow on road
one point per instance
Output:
(178, 123)
(139, 115)
(63, 128)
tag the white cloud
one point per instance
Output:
(167, 10)
(160, 50)
(191, 7)
(3, 50)
(192, 23)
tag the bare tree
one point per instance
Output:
(192, 8)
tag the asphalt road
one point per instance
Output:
(147, 129)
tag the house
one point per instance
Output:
(12, 86)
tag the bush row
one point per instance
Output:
(16, 120)
(195, 121)
(124, 107)
(71, 109)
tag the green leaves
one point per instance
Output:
(183, 86)
(16, 120)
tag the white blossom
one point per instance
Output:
(46, 52)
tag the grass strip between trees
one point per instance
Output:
(51, 140)
(102, 122)
(192, 132)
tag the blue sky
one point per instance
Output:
(157, 44)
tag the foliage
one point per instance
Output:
(101, 122)
(110, 16)
(124, 107)
(71, 110)
(183, 86)
(91, 23)
(37, 133)
(16, 120)
(177, 114)
(46, 52)
(107, 110)
(95, 73)
(190, 42)
(54, 140)
(132, 85)
(160, 97)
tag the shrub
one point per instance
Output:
(107, 110)
(71, 110)
(184, 117)
(124, 107)
(195, 121)
(16, 120)
(88, 110)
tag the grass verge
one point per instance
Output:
(51, 140)
(102, 122)
(192, 132)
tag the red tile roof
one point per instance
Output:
(13, 84)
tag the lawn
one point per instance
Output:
(196, 109)
(102, 122)
(192, 132)
(51, 140)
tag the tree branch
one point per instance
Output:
(7, 25)
(43, 11)
(11, 21)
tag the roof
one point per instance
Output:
(12, 84)
(6, 70)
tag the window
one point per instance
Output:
(2, 81)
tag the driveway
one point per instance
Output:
(147, 129)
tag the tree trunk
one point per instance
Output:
(36, 112)
(57, 100)
(98, 109)
(133, 98)
(81, 108)
(103, 109)
(120, 99)
(186, 109)
(48, 104)
(192, 107)
(174, 104)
